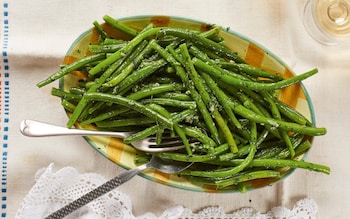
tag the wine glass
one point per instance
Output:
(328, 21)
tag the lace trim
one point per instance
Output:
(52, 191)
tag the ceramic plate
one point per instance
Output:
(253, 53)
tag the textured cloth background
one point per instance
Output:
(34, 36)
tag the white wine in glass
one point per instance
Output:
(328, 21)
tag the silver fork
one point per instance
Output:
(34, 128)
(165, 166)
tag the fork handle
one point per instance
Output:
(34, 128)
(97, 192)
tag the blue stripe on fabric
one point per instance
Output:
(5, 106)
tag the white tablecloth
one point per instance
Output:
(36, 34)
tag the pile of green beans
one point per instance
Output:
(187, 83)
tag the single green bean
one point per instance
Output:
(284, 163)
(141, 134)
(77, 90)
(175, 96)
(68, 105)
(99, 28)
(65, 95)
(105, 48)
(111, 41)
(291, 113)
(250, 70)
(125, 122)
(245, 84)
(171, 102)
(154, 90)
(120, 26)
(69, 68)
(304, 146)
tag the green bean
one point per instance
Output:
(194, 158)
(137, 75)
(304, 146)
(222, 97)
(82, 103)
(284, 163)
(298, 145)
(154, 129)
(171, 102)
(182, 74)
(135, 96)
(120, 53)
(199, 84)
(120, 26)
(227, 172)
(276, 114)
(250, 70)
(77, 90)
(154, 90)
(244, 150)
(289, 126)
(69, 68)
(212, 33)
(96, 107)
(202, 41)
(227, 78)
(184, 115)
(65, 95)
(127, 64)
(198, 134)
(162, 76)
(179, 131)
(111, 41)
(176, 96)
(98, 82)
(125, 122)
(105, 48)
(99, 28)
(132, 105)
(132, 63)
(112, 112)
(68, 105)
(292, 114)
(259, 174)
(141, 135)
